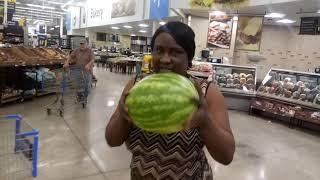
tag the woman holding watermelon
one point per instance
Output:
(177, 155)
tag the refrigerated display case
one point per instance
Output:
(235, 80)
(237, 83)
(290, 94)
(295, 87)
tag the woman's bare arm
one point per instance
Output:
(119, 124)
(215, 130)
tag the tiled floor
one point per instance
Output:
(73, 147)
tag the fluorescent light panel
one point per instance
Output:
(286, 21)
(114, 27)
(39, 13)
(275, 15)
(217, 13)
(127, 27)
(143, 31)
(52, 2)
(40, 10)
(143, 25)
(133, 35)
(39, 6)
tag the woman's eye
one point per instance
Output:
(176, 52)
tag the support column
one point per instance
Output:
(5, 13)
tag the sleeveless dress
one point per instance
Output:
(176, 156)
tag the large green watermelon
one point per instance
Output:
(162, 102)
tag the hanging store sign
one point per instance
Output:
(249, 33)
(219, 30)
(122, 8)
(68, 21)
(159, 9)
(75, 17)
(222, 4)
(100, 12)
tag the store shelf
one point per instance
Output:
(289, 100)
(238, 92)
(199, 74)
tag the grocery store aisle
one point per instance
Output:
(73, 147)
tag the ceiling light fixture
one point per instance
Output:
(40, 10)
(162, 23)
(133, 35)
(217, 13)
(143, 31)
(286, 21)
(143, 25)
(114, 27)
(275, 15)
(39, 6)
(128, 27)
(52, 2)
(318, 11)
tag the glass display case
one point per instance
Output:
(233, 79)
(292, 86)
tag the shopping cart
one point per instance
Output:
(18, 149)
(69, 86)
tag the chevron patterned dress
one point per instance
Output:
(177, 156)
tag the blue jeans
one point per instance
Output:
(83, 80)
(88, 82)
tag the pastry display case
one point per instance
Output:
(233, 79)
(298, 88)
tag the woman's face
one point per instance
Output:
(168, 56)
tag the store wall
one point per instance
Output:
(281, 47)
(124, 40)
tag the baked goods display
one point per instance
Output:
(240, 81)
(30, 56)
(302, 92)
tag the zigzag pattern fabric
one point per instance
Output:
(177, 156)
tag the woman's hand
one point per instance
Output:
(123, 109)
(200, 116)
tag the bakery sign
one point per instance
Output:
(102, 12)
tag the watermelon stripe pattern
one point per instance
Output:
(162, 102)
(176, 156)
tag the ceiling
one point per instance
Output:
(135, 27)
(48, 11)
(293, 10)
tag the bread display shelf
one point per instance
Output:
(21, 56)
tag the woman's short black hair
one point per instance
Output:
(182, 34)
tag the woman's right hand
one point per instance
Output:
(123, 109)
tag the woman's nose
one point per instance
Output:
(165, 59)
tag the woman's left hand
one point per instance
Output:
(200, 116)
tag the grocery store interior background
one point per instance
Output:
(263, 55)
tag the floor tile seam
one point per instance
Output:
(283, 149)
(83, 146)
(115, 170)
(90, 175)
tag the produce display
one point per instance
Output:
(30, 56)
(162, 102)
(307, 92)
(241, 81)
